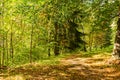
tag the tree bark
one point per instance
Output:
(3, 52)
(90, 41)
(6, 45)
(84, 45)
(11, 42)
(31, 44)
(116, 50)
(56, 47)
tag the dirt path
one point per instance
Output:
(70, 68)
(95, 68)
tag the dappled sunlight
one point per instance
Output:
(1, 78)
(74, 68)
(16, 77)
(95, 66)
(102, 55)
(59, 39)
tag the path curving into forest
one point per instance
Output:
(93, 68)
(72, 67)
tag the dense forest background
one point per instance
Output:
(35, 30)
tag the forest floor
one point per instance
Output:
(72, 67)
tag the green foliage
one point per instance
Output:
(33, 29)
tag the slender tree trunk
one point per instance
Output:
(3, 47)
(116, 50)
(49, 38)
(3, 52)
(84, 45)
(11, 43)
(31, 44)
(90, 41)
(7, 48)
(56, 47)
(0, 60)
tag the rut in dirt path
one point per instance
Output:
(93, 68)
(70, 68)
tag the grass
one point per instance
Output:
(42, 58)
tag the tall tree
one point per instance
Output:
(116, 50)
(105, 12)
(65, 18)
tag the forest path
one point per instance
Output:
(73, 67)
(93, 68)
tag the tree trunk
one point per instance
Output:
(56, 47)
(49, 42)
(6, 45)
(90, 41)
(84, 45)
(0, 60)
(2, 26)
(31, 44)
(3, 52)
(11, 42)
(116, 50)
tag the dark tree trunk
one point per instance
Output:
(56, 47)
(49, 38)
(11, 43)
(116, 50)
(56, 50)
(49, 52)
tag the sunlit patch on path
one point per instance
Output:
(94, 67)
(75, 68)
